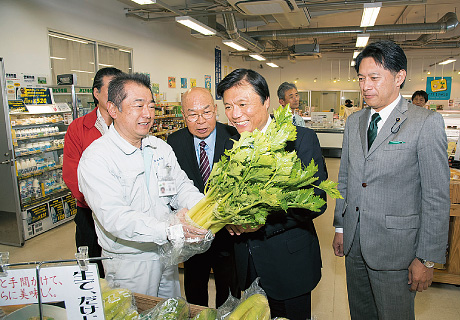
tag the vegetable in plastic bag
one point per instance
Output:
(169, 309)
(206, 314)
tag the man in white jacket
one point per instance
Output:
(131, 181)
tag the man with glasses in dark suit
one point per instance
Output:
(197, 147)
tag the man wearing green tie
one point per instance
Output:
(393, 222)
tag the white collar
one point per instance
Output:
(385, 112)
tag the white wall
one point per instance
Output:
(167, 49)
(160, 48)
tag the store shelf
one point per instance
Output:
(168, 116)
(160, 133)
(42, 136)
(32, 125)
(38, 172)
(28, 203)
(22, 154)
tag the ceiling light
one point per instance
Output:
(82, 71)
(314, 80)
(352, 64)
(271, 64)
(234, 45)
(447, 61)
(356, 53)
(144, 1)
(257, 57)
(57, 58)
(362, 39)
(370, 13)
(196, 25)
(106, 65)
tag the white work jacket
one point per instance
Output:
(131, 217)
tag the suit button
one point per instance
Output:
(357, 208)
(364, 185)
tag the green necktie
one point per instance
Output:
(372, 131)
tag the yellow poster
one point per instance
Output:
(438, 85)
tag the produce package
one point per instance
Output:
(206, 314)
(253, 305)
(169, 309)
(118, 303)
(258, 176)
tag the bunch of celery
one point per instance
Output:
(257, 176)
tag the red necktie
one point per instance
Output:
(205, 169)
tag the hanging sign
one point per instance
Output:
(79, 291)
(438, 88)
(218, 69)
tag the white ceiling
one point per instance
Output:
(408, 17)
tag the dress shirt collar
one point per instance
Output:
(100, 123)
(385, 112)
(264, 129)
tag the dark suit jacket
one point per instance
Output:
(286, 252)
(182, 143)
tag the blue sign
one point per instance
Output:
(438, 88)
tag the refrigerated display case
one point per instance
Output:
(33, 196)
(79, 98)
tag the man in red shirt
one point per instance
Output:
(80, 134)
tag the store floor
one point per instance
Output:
(441, 301)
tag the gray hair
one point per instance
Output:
(285, 86)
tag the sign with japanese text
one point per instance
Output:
(37, 213)
(35, 95)
(70, 205)
(16, 106)
(79, 290)
(56, 210)
(438, 88)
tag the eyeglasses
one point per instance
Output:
(194, 117)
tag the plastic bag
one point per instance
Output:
(227, 307)
(169, 309)
(253, 304)
(206, 314)
(179, 249)
(118, 303)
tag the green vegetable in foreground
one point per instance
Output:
(257, 176)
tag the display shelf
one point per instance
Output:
(38, 172)
(164, 132)
(54, 134)
(28, 153)
(168, 116)
(28, 203)
(34, 125)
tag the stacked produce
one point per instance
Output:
(253, 308)
(258, 176)
(169, 309)
(118, 303)
(206, 314)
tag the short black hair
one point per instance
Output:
(385, 53)
(98, 81)
(117, 92)
(285, 86)
(420, 93)
(348, 101)
(239, 76)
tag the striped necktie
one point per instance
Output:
(205, 169)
